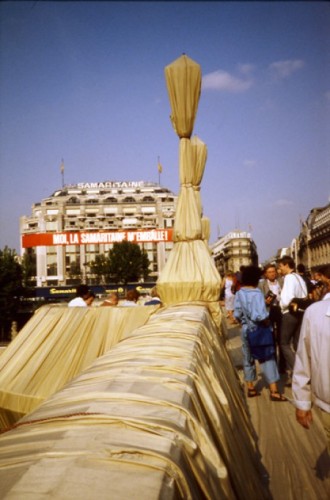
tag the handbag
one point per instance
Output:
(297, 307)
(261, 343)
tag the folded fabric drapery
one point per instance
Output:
(189, 273)
(160, 415)
(183, 80)
(55, 345)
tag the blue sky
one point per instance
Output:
(84, 81)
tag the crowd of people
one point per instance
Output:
(85, 298)
(300, 335)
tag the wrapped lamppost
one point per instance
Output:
(199, 157)
(189, 274)
(206, 232)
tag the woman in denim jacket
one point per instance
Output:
(250, 309)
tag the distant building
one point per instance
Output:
(76, 223)
(312, 247)
(282, 252)
(234, 250)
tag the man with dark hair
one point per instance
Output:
(293, 287)
(238, 279)
(324, 273)
(82, 294)
(271, 286)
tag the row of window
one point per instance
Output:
(128, 199)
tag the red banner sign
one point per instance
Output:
(95, 238)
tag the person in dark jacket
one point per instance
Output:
(271, 286)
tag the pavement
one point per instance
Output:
(296, 461)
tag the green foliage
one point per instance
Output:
(100, 268)
(10, 287)
(127, 263)
(29, 267)
(74, 271)
(145, 265)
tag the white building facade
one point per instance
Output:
(313, 242)
(234, 250)
(78, 222)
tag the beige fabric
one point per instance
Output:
(161, 415)
(183, 80)
(206, 231)
(188, 223)
(189, 273)
(53, 347)
(199, 157)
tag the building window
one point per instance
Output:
(73, 199)
(52, 269)
(129, 199)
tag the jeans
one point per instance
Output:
(275, 316)
(290, 334)
(268, 368)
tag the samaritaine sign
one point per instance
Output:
(95, 238)
(110, 184)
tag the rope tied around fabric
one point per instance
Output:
(196, 187)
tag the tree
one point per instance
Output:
(10, 287)
(29, 267)
(100, 268)
(128, 263)
(74, 270)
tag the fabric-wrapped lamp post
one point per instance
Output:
(189, 274)
(199, 157)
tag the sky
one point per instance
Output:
(84, 82)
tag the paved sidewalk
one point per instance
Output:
(295, 458)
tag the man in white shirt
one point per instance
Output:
(293, 287)
(311, 375)
(83, 294)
